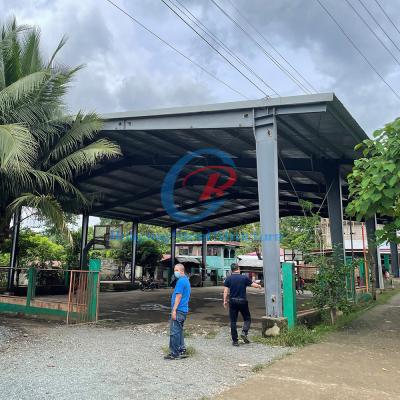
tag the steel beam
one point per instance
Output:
(173, 247)
(14, 251)
(265, 132)
(84, 237)
(335, 208)
(133, 250)
(394, 251)
(203, 256)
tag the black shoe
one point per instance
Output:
(171, 357)
(245, 338)
(236, 344)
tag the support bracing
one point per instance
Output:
(203, 255)
(173, 247)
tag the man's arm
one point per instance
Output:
(178, 299)
(226, 294)
(255, 285)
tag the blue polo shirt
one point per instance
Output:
(182, 287)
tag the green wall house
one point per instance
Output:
(220, 256)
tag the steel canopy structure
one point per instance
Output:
(283, 150)
(315, 134)
(278, 151)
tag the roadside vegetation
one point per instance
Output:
(302, 335)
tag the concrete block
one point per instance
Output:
(271, 326)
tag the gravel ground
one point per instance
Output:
(101, 362)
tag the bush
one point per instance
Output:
(329, 289)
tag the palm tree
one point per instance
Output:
(41, 149)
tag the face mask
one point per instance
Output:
(177, 274)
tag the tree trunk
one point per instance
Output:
(333, 315)
(372, 268)
(5, 230)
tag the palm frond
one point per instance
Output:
(85, 158)
(83, 127)
(59, 47)
(30, 54)
(18, 147)
(48, 207)
(21, 88)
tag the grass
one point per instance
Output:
(190, 351)
(301, 335)
(258, 368)
(211, 335)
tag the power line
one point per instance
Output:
(176, 50)
(377, 22)
(357, 49)
(262, 48)
(210, 34)
(271, 45)
(373, 32)
(214, 48)
(387, 16)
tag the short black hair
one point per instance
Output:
(234, 266)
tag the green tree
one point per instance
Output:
(41, 149)
(329, 289)
(374, 186)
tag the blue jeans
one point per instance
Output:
(176, 339)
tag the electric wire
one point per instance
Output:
(387, 16)
(262, 48)
(271, 45)
(357, 49)
(372, 31)
(184, 10)
(215, 49)
(176, 49)
(379, 25)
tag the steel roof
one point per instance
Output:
(314, 131)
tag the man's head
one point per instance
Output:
(179, 268)
(235, 268)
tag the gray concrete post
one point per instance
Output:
(265, 131)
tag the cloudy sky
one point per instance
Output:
(127, 68)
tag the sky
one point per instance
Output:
(128, 69)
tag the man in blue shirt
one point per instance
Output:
(235, 286)
(179, 309)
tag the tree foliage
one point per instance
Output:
(41, 148)
(329, 289)
(374, 182)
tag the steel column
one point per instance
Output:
(173, 247)
(394, 251)
(133, 250)
(335, 208)
(203, 256)
(265, 131)
(84, 237)
(14, 250)
(370, 225)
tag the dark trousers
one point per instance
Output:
(236, 307)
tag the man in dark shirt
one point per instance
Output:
(235, 287)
